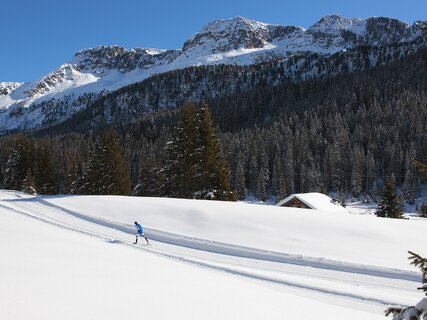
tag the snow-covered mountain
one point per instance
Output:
(8, 87)
(238, 41)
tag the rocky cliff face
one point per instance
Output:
(237, 41)
(8, 87)
(221, 36)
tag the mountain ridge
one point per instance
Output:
(235, 41)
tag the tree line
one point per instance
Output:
(342, 134)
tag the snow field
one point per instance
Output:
(71, 256)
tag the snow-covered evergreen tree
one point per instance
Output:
(389, 206)
(419, 311)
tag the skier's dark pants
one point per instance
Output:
(141, 235)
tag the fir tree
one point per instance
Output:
(106, 172)
(19, 162)
(422, 167)
(422, 210)
(240, 180)
(411, 183)
(419, 311)
(44, 174)
(356, 173)
(149, 176)
(28, 184)
(420, 262)
(179, 170)
(195, 165)
(212, 176)
(278, 184)
(389, 206)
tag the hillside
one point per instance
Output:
(305, 132)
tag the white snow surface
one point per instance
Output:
(71, 257)
(316, 200)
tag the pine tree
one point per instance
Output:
(389, 206)
(106, 172)
(179, 170)
(419, 311)
(421, 167)
(336, 172)
(195, 166)
(44, 174)
(28, 184)
(240, 180)
(253, 167)
(278, 185)
(149, 177)
(356, 173)
(422, 210)
(262, 178)
(369, 173)
(19, 162)
(213, 176)
(411, 183)
(289, 169)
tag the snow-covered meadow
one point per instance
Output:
(72, 257)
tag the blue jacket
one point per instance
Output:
(139, 228)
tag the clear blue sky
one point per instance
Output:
(38, 36)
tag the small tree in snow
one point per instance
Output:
(419, 311)
(389, 206)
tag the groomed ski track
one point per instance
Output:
(366, 287)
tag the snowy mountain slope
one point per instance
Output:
(203, 255)
(234, 41)
(8, 87)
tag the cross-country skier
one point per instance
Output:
(140, 233)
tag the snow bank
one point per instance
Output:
(357, 239)
(49, 272)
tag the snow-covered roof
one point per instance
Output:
(315, 200)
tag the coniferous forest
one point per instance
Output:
(342, 133)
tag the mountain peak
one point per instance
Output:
(235, 23)
(335, 23)
(230, 34)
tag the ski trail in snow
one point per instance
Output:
(234, 250)
(275, 280)
(105, 229)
